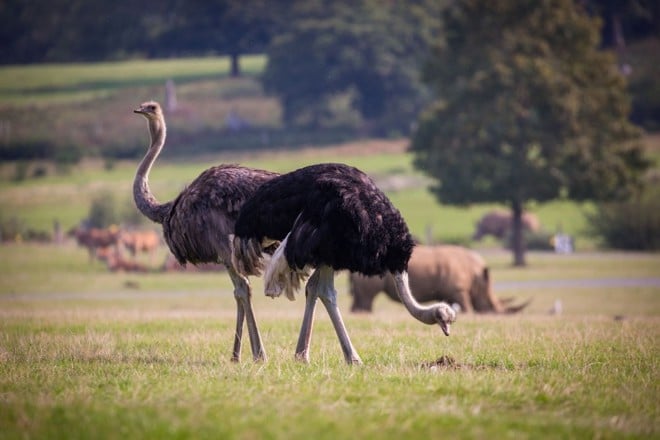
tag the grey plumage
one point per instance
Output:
(197, 224)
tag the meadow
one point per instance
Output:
(66, 198)
(86, 353)
(41, 85)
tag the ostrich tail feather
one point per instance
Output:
(246, 256)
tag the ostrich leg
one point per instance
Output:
(305, 337)
(326, 291)
(244, 311)
(238, 334)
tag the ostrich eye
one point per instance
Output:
(152, 107)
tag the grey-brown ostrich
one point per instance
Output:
(197, 223)
(328, 217)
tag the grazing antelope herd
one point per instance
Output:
(110, 245)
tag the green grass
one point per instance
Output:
(84, 356)
(166, 376)
(36, 85)
(38, 202)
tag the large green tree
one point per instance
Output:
(527, 108)
(367, 49)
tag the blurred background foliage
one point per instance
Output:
(251, 75)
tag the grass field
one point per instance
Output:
(39, 85)
(67, 198)
(89, 354)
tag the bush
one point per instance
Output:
(534, 241)
(130, 215)
(630, 225)
(457, 240)
(40, 149)
(540, 241)
(22, 150)
(103, 212)
(11, 229)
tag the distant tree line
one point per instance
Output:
(35, 31)
(366, 52)
(95, 30)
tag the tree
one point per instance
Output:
(74, 30)
(367, 49)
(527, 108)
(229, 27)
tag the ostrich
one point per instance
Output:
(328, 217)
(197, 223)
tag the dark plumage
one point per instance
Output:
(337, 216)
(198, 223)
(328, 217)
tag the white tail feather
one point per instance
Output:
(279, 276)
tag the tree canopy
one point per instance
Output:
(367, 49)
(90, 30)
(526, 108)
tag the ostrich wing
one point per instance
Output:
(203, 215)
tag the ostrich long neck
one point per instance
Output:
(144, 199)
(422, 313)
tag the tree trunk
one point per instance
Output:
(235, 65)
(517, 242)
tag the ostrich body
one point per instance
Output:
(198, 222)
(328, 217)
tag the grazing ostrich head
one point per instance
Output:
(440, 313)
(445, 315)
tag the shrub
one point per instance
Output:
(630, 225)
(458, 240)
(103, 212)
(534, 241)
(40, 149)
(21, 171)
(539, 241)
(11, 229)
(131, 216)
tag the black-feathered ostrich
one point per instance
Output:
(197, 223)
(328, 217)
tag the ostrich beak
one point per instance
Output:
(446, 327)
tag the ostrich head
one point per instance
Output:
(150, 110)
(445, 316)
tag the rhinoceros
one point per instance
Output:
(448, 273)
